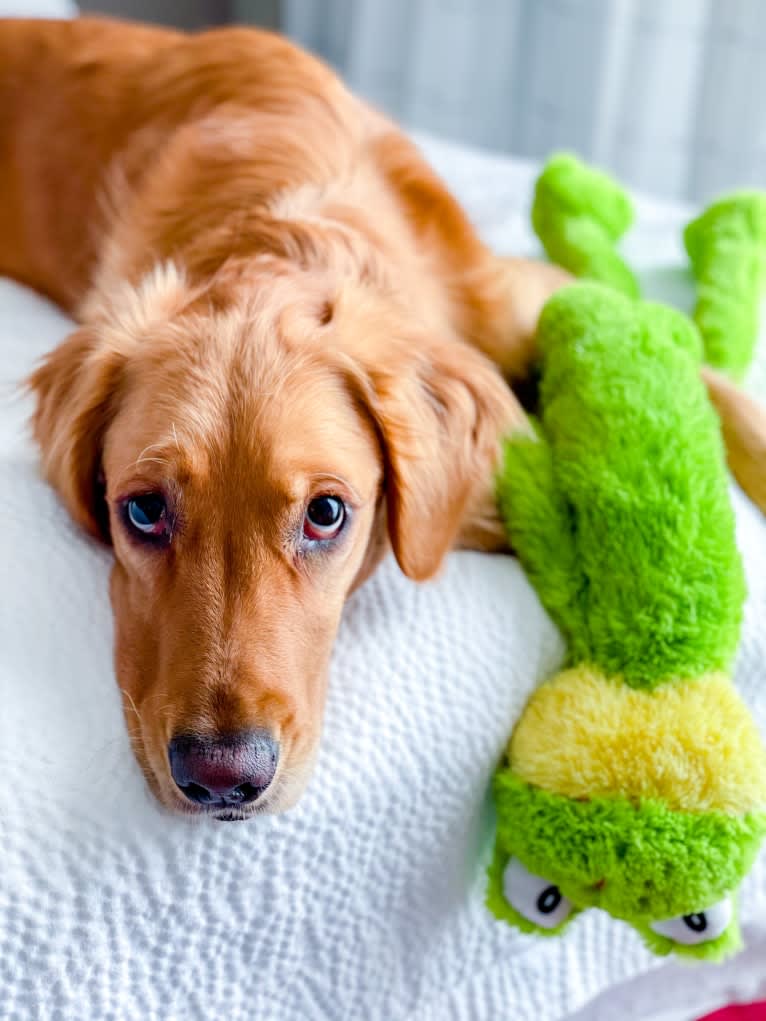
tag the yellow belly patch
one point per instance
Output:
(691, 744)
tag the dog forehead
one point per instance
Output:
(229, 408)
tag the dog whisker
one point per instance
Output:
(133, 706)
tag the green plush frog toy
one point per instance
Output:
(635, 779)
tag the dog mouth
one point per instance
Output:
(220, 813)
(226, 813)
(231, 816)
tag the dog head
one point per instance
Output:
(250, 460)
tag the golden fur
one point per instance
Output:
(276, 298)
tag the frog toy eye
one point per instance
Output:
(536, 899)
(698, 927)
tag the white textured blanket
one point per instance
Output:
(365, 902)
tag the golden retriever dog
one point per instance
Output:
(290, 358)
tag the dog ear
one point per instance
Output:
(440, 408)
(75, 388)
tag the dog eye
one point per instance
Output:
(324, 518)
(147, 515)
(536, 899)
(698, 927)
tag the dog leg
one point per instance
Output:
(503, 302)
(501, 306)
(743, 423)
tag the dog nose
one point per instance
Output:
(231, 770)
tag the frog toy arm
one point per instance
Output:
(580, 214)
(727, 249)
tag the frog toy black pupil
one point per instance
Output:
(548, 900)
(697, 922)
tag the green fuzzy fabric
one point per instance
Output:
(727, 248)
(579, 214)
(641, 863)
(619, 510)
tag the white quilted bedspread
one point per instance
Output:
(364, 902)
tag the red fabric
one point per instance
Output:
(745, 1012)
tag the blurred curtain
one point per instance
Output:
(668, 94)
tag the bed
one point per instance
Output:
(366, 901)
